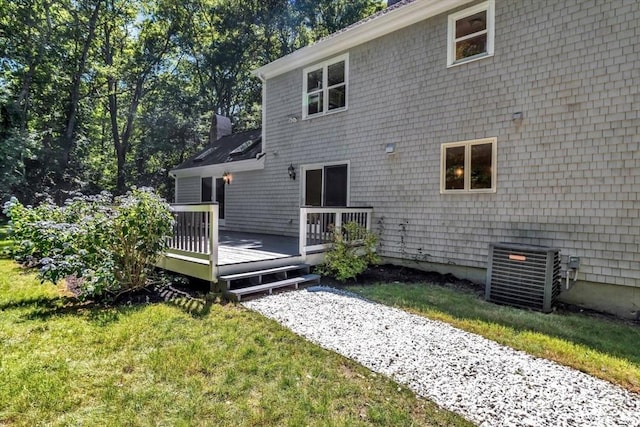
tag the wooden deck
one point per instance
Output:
(198, 248)
(236, 247)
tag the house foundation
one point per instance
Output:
(621, 301)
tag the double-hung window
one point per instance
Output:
(325, 87)
(468, 166)
(471, 33)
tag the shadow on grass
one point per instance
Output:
(596, 331)
(195, 306)
(34, 303)
(104, 312)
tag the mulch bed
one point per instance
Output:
(388, 273)
(385, 273)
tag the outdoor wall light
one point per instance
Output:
(227, 178)
(292, 172)
(293, 119)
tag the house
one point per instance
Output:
(461, 124)
(203, 177)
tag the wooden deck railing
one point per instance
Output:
(317, 224)
(195, 233)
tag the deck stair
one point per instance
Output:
(253, 282)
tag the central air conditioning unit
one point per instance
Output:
(523, 275)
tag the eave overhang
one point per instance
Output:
(219, 168)
(370, 29)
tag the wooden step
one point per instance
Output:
(293, 281)
(249, 274)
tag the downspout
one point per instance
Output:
(175, 186)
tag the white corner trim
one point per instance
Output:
(343, 41)
(264, 115)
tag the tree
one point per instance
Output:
(103, 94)
(135, 46)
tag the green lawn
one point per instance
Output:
(604, 348)
(180, 363)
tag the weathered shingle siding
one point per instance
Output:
(188, 189)
(568, 176)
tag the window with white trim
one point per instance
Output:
(325, 87)
(471, 34)
(468, 166)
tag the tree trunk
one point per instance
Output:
(24, 97)
(74, 94)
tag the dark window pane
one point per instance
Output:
(315, 103)
(337, 97)
(335, 185)
(206, 189)
(454, 168)
(481, 167)
(313, 187)
(471, 24)
(471, 47)
(314, 80)
(220, 197)
(335, 73)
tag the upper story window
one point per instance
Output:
(325, 87)
(468, 166)
(471, 33)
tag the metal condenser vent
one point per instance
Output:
(523, 276)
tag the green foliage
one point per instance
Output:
(15, 145)
(353, 250)
(99, 95)
(138, 235)
(108, 245)
(6, 245)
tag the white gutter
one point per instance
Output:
(376, 27)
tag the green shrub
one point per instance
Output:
(353, 250)
(139, 232)
(108, 245)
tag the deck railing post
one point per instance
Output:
(303, 232)
(338, 224)
(213, 240)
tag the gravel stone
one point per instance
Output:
(485, 382)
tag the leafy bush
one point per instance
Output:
(353, 250)
(109, 245)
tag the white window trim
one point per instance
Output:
(325, 88)
(467, 165)
(314, 166)
(490, 7)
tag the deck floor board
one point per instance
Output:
(237, 247)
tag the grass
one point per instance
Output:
(186, 362)
(601, 347)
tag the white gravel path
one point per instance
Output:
(485, 382)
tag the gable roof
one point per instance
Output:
(232, 148)
(393, 18)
